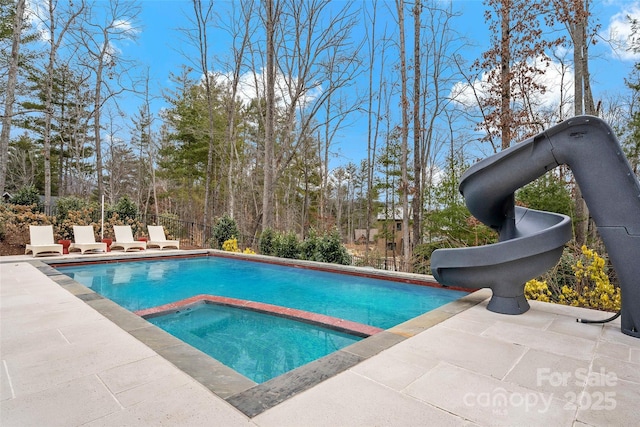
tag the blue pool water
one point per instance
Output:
(145, 284)
(214, 329)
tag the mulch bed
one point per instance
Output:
(7, 249)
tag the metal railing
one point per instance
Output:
(379, 262)
(190, 233)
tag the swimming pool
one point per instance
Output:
(140, 285)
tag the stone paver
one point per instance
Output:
(561, 344)
(352, 400)
(487, 401)
(487, 355)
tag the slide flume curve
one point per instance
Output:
(530, 241)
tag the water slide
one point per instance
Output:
(530, 241)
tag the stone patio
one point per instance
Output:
(70, 362)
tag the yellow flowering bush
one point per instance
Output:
(231, 245)
(591, 289)
(537, 290)
(597, 290)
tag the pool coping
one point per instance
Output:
(244, 394)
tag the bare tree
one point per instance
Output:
(337, 108)
(374, 118)
(313, 47)
(204, 17)
(22, 163)
(241, 31)
(68, 125)
(143, 139)
(58, 22)
(404, 136)
(440, 71)
(575, 15)
(76, 175)
(512, 64)
(505, 73)
(10, 92)
(98, 52)
(417, 127)
(152, 146)
(118, 163)
(272, 10)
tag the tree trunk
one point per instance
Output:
(202, 19)
(372, 136)
(10, 93)
(417, 129)
(583, 103)
(96, 126)
(48, 110)
(505, 74)
(267, 190)
(54, 44)
(370, 139)
(404, 186)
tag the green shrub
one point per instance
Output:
(287, 246)
(332, 250)
(325, 248)
(547, 193)
(225, 229)
(126, 209)
(66, 204)
(27, 196)
(267, 242)
(311, 247)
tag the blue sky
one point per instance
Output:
(159, 42)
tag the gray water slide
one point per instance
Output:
(530, 241)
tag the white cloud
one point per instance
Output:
(468, 94)
(252, 85)
(557, 82)
(619, 32)
(125, 27)
(36, 13)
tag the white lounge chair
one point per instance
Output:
(41, 237)
(157, 238)
(85, 240)
(124, 239)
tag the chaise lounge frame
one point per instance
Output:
(41, 237)
(124, 239)
(85, 240)
(157, 238)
